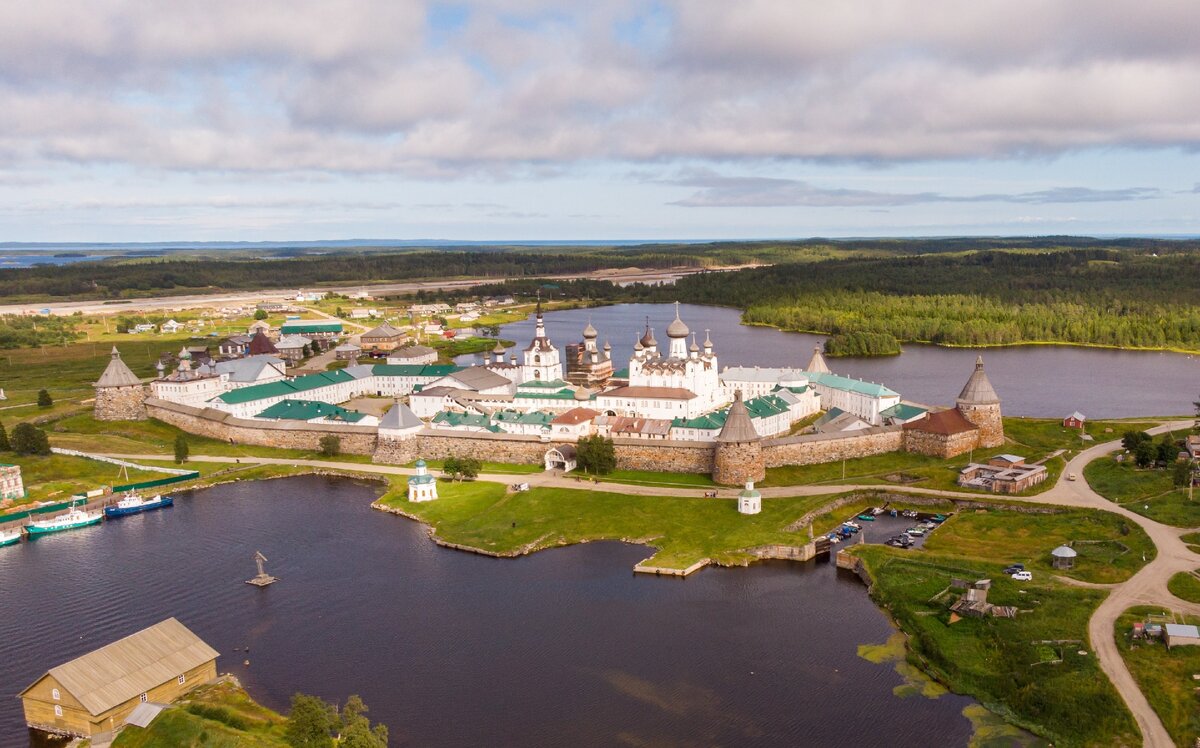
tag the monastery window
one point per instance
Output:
(144, 698)
(181, 679)
(54, 694)
(57, 710)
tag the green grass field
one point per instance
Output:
(1002, 662)
(1110, 548)
(684, 530)
(57, 477)
(1148, 492)
(216, 716)
(1164, 676)
(1186, 586)
(1031, 438)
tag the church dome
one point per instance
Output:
(184, 355)
(589, 332)
(607, 346)
(648, 340)
(499, 348)
(677, 329)
(582, 394)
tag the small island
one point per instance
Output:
(855, 344)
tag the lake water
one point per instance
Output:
(1043, 381)
(564, 647)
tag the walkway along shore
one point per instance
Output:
(1147, 587)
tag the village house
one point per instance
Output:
(412, 354)
(1181, 635)
(363, 313)
(1074, 421)
(170, 326)
(1193, 446)
(385, 338)
(259, 326)
(235, 346)
(95, 693)
(292, 348)
(347, 352)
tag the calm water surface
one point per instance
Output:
(1044, 381)
(565, 647)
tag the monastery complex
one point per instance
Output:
(671, 408)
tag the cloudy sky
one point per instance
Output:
(612, 119)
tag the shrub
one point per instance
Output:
(28, 439)
(331, 446)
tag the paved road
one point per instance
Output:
(1147, 587)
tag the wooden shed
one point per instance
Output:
(96, 692)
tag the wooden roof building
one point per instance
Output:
(95, 693)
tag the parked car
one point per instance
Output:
(1014, 568)
(1071, 476)
(1023, 576)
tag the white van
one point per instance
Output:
(1023, 576)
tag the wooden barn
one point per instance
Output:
(96, 692)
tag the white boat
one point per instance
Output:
(68, 521)
(853, 524)
(8, 537)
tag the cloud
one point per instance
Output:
(718, 191)
(525, 87)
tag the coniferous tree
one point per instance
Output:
(4, 445)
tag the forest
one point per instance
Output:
(182, 272)
(1094, 297)
(1122, 298)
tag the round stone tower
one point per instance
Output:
(738, 456)
(979, 404)
(120, 395)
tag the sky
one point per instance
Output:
(509, 120)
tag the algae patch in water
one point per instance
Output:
(890, 651)
(991, 731)
(915, 682)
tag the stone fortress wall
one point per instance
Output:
(632, 454)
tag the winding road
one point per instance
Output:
(1147, 587)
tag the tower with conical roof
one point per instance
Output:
(816, 364)
(738, 456)
(979, 404)
(120, 395)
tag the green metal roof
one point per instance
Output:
(285, 387)
(550, 384)
(566, 394)
(414, 370)
(306, 410)
(759, 407)
(420, 480)
(303, 326)
(621, 373)
(903, 411)
(450, 418)
(837, 382)
(536, 418)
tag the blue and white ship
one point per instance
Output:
(135, 504)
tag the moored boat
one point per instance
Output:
(135, 504)
(8, 537)
(68, 521)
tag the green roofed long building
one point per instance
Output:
(312, 328)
